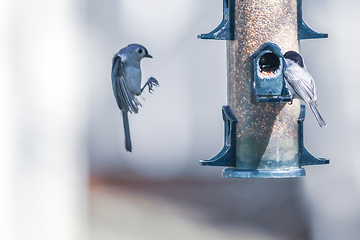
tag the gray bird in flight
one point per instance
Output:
(126, 82)
(300, 81)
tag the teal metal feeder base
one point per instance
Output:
(288, 173)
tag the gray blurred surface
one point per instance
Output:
(186, 209)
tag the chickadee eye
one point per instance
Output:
(140, 51)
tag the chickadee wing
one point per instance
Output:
(302, 83)
(124, 98)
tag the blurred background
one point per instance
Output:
(64, 170)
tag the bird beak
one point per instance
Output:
(148, 56)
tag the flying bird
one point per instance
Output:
(126, 83)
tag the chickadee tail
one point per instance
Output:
(127, 131)
(317, 114)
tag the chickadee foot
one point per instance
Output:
(291, 102)
(152, 82)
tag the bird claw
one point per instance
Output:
(152, 82)
(292, 101)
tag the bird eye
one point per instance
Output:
(140, 51)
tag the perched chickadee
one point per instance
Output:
(126, 81)
(300, 81)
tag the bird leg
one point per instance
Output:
(151, 83)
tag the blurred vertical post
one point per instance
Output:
(7, 128)
(265, 131)
(45, 93)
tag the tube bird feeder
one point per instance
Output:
(263, 123)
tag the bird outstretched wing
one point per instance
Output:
(124, 98)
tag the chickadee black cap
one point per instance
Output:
(292, 55)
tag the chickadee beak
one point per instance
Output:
(148, 56)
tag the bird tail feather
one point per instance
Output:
(317, 114)
(127, 131)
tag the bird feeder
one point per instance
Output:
(263, 123)
(268, 83)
